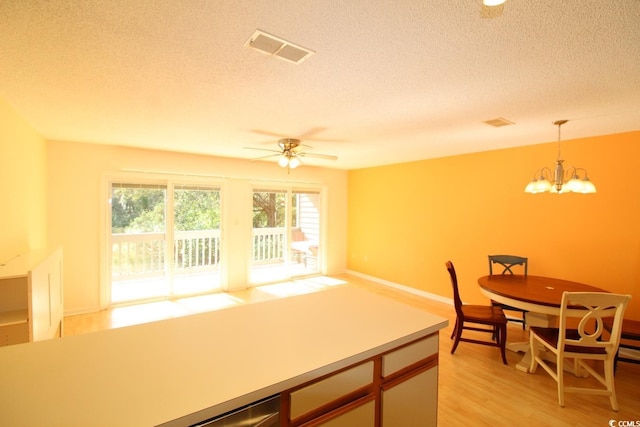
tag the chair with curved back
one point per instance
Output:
(508, 264)
(586, 342)
(468, 317)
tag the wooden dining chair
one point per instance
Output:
(629, 339)
(587, 342)
(472, 317)
(509, 263)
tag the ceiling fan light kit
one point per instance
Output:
(493, 2)
(572, 182)
(289, 156)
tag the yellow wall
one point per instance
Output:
(406, 220)
(77, 190)
(22, 186)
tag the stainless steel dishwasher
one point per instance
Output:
(263, 413)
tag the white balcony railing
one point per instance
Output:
(143, 255)
(268, 245)
(137, 255)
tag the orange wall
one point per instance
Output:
(406, 220)
(403, 220)
(22, 186)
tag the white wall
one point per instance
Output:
(76, 189)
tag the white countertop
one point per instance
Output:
(19, 265)
(217, 361)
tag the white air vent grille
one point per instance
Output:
(499, 122)
(275, 46)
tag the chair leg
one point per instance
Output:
(502, 338)
(560, 379)
(609, 372)
(455, 328)
(458, 331)
(534, 350)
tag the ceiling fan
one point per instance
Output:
(290, 155)
(492, 8)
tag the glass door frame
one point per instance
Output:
(170, 184)
(287, 272)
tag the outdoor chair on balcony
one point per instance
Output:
(303, 249)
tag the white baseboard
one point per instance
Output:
(404, 288)
(77, 311)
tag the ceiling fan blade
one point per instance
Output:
(263, 149)
(266, 157)
(318, 156)
(269, 133)
(291, 147)
(326, 140)
(308, 134)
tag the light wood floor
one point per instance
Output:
(475, 387)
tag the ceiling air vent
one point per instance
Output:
(275, 46)
(499, 122)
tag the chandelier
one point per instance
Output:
(562, 181)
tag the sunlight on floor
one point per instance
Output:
(143, 313)
(300, 287)
(154, 311)
(208, 302)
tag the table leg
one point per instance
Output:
(545, 321)
(533, 319)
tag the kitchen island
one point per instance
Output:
(377, 354)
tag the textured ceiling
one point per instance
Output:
(390, 80)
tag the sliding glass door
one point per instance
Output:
(165, 240)
(196, 240)
(138, 241)
(286, 234)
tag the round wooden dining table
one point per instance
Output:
(539, 296)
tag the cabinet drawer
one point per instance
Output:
(329, 389)
(413, 402)
(408, 355)
(363, 415)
